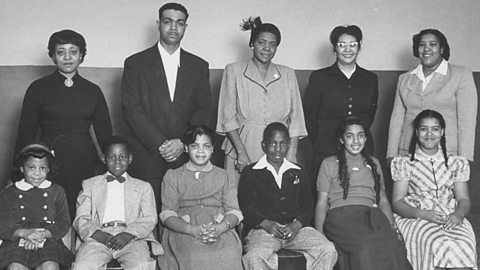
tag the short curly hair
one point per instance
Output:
(67, 37)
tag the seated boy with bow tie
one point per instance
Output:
(116, 215)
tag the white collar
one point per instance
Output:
(24, 186)
(263, 163)
(175, 56)
(441, 69)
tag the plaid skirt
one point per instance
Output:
(364, 239)
(52, 250)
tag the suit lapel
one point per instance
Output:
(99, 196)
(130, 200)
(181, 91)
(437, 82)
(251, 72)
(156, 78)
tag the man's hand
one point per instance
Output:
(170, 150)
(120, 240)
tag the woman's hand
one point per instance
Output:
(242, 161)
(453, 221)
(433, 216)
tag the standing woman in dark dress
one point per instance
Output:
(65, 106)
(341, 90)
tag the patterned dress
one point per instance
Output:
(431, 188)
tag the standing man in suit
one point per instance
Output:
(164, 90)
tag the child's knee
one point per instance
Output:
(16, 266)
(49, 265)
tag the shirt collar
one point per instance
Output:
(264, 164)
(420, 155)
(441, 69)
(175, 56)
(24, 186)
(207, 167)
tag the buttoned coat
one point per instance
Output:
(249, 103)
(151, 115)
(330, 97)
(261, 198)
(453, 95)
(140, 210)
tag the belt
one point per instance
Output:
(114, 224)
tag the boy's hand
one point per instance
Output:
(102, 237)
(291, 230)
(272, 228)
(120, 240)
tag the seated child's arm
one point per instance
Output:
(83, 223)
(120, 240)
(60, 226)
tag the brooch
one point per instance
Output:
(68, 82)
(276, 76)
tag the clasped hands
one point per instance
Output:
(449, 222)
(170, 150)
(116, 242)
(285, 232)
(33, 238)
(207, 233)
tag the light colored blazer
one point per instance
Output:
(453, 95)
(140, 209)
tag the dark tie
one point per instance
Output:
(111, 178)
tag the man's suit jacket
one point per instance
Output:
(140, 210)
(150, 114)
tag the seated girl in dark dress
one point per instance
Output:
(34, 214)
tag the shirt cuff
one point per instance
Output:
(166, 214)
(236, 213)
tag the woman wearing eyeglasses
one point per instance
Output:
(437, 85)
(341, 90)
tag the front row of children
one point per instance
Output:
(116, 213)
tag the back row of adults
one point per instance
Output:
(165, 89)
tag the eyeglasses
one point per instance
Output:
(343, 45)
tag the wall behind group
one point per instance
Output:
(114, 29)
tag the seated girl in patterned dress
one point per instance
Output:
(200, 210)
(430, 196)
(34, 214)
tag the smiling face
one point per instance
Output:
(117, 159)
(35, 170)
(354, 139)
(67, 57)
(172, 27)
(429, 134)
(276, 147)
(200, 151)
(264, 47)
(347, 50)
(430, 52)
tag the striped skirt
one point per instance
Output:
(429, 245)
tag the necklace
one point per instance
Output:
(68, 82)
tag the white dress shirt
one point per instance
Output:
(171, 64)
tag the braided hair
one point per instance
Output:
(343, 174)
(416, 125)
